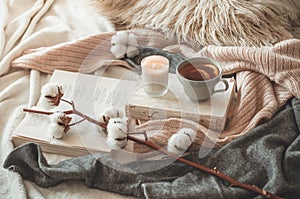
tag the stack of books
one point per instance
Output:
(92, 94)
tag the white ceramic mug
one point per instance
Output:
(199, 77)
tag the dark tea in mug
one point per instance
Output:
(197, 71)
(199, 76)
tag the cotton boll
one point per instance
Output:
(56, 117)
(110, 113)
(132, 40)
(44, 103)
(114, 113)
(181, 141)
(188, 134)
(124, 44)
(117, 131)
(185, 138)
(172, 145)
(117, 128)
(119, 38)
(116, 144)
(118, 50)
(51, 95)
(55, 131)
(50, 90)
(132, 51)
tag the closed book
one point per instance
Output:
(176, 104)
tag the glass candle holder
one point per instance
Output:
(155, 69)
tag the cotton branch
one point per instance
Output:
(149, 143)
(214, 171)
(68, 112)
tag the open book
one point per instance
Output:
(91, 94)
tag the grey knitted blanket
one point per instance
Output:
(268, 157)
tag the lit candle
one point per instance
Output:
(155, 69)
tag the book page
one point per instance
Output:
(91, 95)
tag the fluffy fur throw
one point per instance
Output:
(204, 22)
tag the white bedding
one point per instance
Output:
(30, 24)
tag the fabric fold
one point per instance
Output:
(267, 157)
(84, 55)
(266, 77)
(32, 24)
(96, 171)
(280, 63)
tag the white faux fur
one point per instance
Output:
(204, 22)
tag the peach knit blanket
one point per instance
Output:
(266, 77)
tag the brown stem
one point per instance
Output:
(89, 118)
(37, 111)
(66, 101)
(74, 111)
(214, 171)
(75, 123)
(45, 112)
(138, 133)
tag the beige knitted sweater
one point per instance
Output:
(266, 77)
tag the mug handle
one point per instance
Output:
(225, 82)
